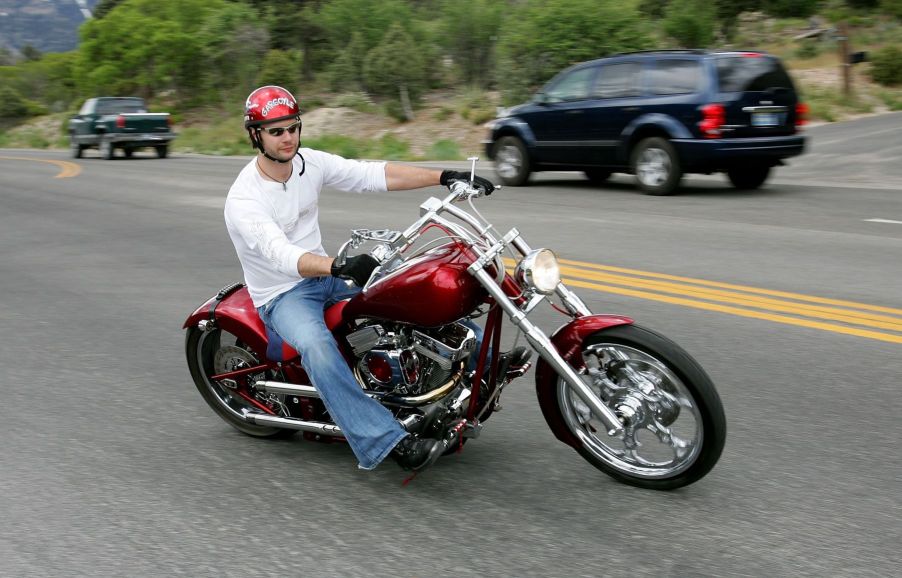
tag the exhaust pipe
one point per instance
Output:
(317, 427)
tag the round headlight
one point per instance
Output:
(539, 270)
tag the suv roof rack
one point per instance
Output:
(664, 50)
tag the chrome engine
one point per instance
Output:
(420, 365)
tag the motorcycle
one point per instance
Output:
(630, 401)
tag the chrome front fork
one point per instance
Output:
(549, 353)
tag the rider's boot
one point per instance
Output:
(413, 453)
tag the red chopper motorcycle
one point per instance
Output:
(630, 401)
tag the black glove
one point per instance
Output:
(357, 268)
(449, 177)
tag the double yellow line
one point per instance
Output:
(67, 169)
(846, 317)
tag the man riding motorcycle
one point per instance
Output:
(271, 213)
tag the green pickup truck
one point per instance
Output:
(110, 123)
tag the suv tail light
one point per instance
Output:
(801, 114)
(713, 117)
(120, 121)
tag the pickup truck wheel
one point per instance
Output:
(162, 151)
(128, 152)
(107, 150)
(512, 161)
(748, 178)
(75, 148)
(656, 166)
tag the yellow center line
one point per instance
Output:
(68, 169)
(741, 312)
(819, 311)
(796, 296)
(688, 292)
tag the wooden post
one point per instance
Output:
(845, 65)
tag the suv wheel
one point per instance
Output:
(748, 178)
(511, 161)
(656, 166)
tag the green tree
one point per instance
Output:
(396, 68)
(469, 34)
(280, 67)
(145, 47)
(690, 22)
(790, 8)
(346, 73)
(30, 53)
(892, 7)
(540, 37)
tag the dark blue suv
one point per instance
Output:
(658, 115)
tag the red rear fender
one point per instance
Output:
(237, 315)
(568, 341)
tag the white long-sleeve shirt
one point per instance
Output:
(272, 227)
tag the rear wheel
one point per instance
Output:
(162, 151)
(656, 166)
(512, 161)
(107, 150)
(217, 352)
(128, 152)
(674, 428)
(748, 178)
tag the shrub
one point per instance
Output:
(886, 66)
(690, 22)
(443, 150)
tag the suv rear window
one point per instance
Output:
(757, 73)
(675, 77)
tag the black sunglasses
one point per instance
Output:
(292, 128)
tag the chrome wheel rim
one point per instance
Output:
(509, 162)
(663, 433)
(653, 167)
(228, 354)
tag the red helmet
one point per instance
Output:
(268, 104)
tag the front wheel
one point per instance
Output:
(162, 151)
(512, 161)
(657, 166)
(674, 424)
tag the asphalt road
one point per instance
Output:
(791, 297)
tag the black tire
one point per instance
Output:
(128, 152)
(511, 161)
(75, 148)
(200, 349)
(597, 176)
(674, 372)
(748, 178)
(162, 151)
(107, 150)
(657, 167)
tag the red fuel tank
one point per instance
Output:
(430, 290)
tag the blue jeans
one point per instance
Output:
(297, 316)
